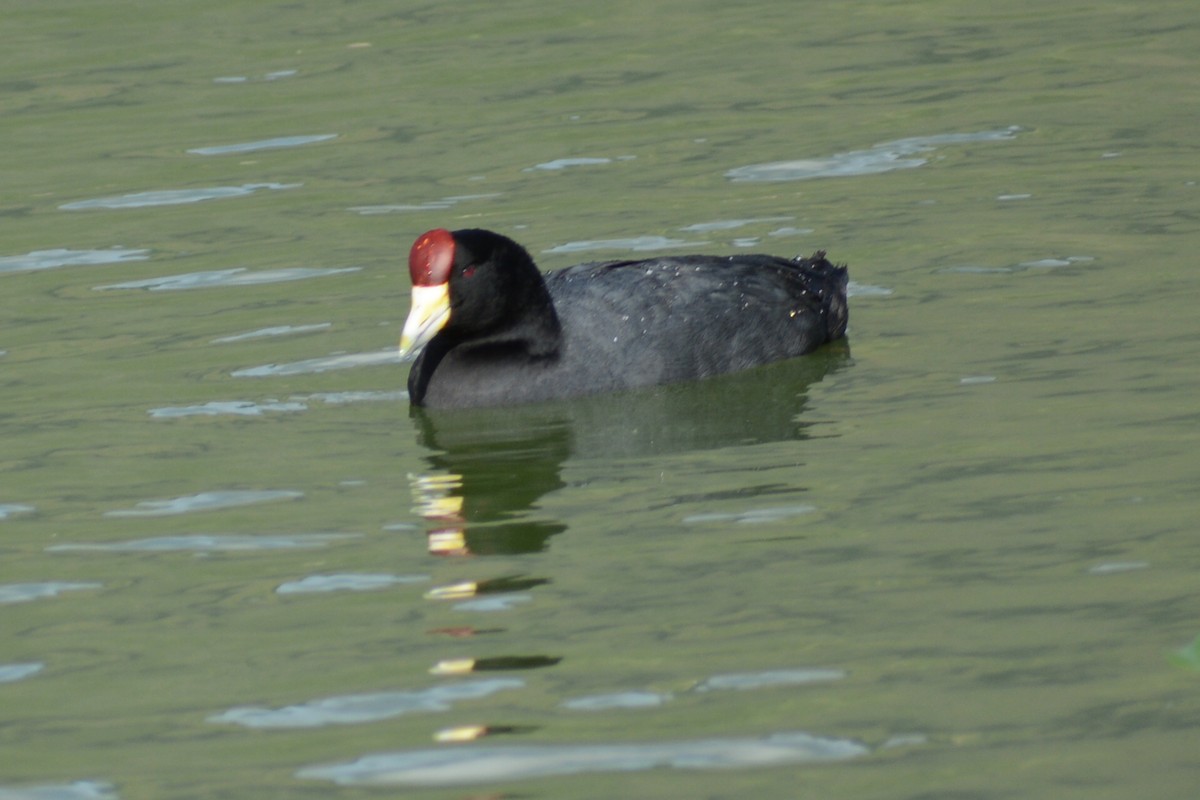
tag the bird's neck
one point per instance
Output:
(534, 331)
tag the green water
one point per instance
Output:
(978, 519)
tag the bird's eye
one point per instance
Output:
(468, 270)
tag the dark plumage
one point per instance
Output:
(512, 335)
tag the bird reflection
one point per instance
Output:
(464, 666)
(467, 589)
(489, 468)
(484, 481)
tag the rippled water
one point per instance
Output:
(954, 556)
(262, 144)
(172, 197)
(883, 157)
(62, 257)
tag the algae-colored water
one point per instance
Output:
(956, 557)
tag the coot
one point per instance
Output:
(496, 331)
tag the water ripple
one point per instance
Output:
(778, 677)
(356, 708)
(173, 197)
(79, 790)
(883, 157)
(277, 330)
(739, 681)
(205, 501)
(564, 163)
(751, 517)
(25, 592)
(240, 408)
(432, 205)
(1114, 567)
(325, 364)
(730, 224)
(15, 672)
(10, 509)
(788, 230)
(250, 408)
(352, 582)
(605, 702)
(238, 276)
(344, 398)
(481, 764)
(1041, 263)
(49, 259)
(498, 602)
(262, 144)
(636, 243)
(208, 544)
(856, 289)
(270, 76)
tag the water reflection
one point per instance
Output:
(79, 790)
(172, 197)
(499, 587)
(200, 543)
(470, 733)
(1187, 656)
(59, 257)
(358, 708)
(488, 468)
(1114, 567)
(250, 408)
(635, 243)
(1041, 263)
(484, 481)
(205, 501)
(277, 330)
(759, 680)
(11, 509)
(466, 666)
(431, 205)
(270, 76)
(753, 516)
(26, 592)
(504, 602)
(346, 582)
(15, 672)
(737, 681)
(498, 462)
(236, 276)
(237, 408)
(883, 157)
(613, 700)
(323, 364)
(584, 161)
(731, 224)
(480, 764)
(262, 144)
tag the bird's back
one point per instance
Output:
(627, 324)
(686, 317)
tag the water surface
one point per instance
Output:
(954, 556)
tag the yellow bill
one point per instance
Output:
(429, 314)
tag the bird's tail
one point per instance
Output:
(831, 282)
